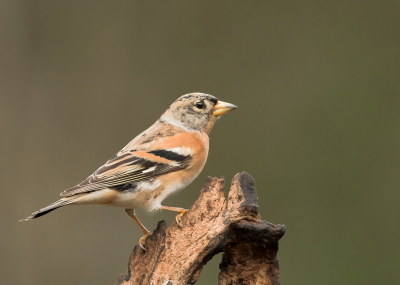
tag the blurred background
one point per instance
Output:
(318, 127)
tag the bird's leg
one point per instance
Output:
(181, 212)
(146, 233)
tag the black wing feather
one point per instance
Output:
(124, 169)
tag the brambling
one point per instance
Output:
(158, 163)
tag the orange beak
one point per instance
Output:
(222, 108)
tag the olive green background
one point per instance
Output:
(318, 126)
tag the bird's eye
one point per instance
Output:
(200, 105)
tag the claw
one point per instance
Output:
(142, 241)
(142, 246)
(177, 221)
(178, 217)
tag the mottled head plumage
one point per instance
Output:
(197, 96)
(192, 112)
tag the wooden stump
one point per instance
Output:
(177, 254)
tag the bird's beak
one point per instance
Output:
(222, 108)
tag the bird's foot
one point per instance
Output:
(178, 217)
(142, 241)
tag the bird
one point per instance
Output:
(156, 164)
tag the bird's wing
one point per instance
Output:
(131, 166)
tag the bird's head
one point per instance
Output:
(196, 112)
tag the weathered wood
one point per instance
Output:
(177, 254)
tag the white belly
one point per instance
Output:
(146, 195)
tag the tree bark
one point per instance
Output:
(177, 254)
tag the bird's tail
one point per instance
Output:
(60, 203)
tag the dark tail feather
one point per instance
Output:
(60, 203)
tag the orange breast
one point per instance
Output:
(197, 142)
